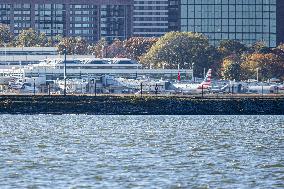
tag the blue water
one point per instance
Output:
(81, 151)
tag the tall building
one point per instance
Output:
(150, 18)
(245, 20)
(174, 15)
(91, 19)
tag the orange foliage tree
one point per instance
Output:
(268, 65)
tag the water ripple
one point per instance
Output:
(81, 151)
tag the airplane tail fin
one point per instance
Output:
(207, 80)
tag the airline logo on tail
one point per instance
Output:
(207, 80)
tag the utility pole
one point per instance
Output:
(65, 74)
(34, 86)
(5, 45)
(257, 69)
(141, 89)
(192, 67)
(95, 87)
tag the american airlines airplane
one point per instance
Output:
(190, 88)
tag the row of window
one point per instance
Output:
(213, 2)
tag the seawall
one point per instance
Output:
(131, 105)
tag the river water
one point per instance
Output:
(82, 151)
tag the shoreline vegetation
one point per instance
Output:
(145, 105)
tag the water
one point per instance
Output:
(81, 151)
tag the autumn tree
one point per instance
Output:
(281, 47)
(5, 34)
(99, 49)
(81, 46)
(260, 47)
(116, 49)
(73, 45)
(138, 46)
(268, 65)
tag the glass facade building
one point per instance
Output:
(245, 20)
(89, 19)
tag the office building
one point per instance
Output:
(245, 20)
(150, 18)
(89, 19)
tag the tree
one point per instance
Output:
(73, 45)
(268, 65)
(5, 34)
(116, 49)
(229, 47)
(232, 68)
(68, 44)
(184, 49)
(27, 38)
(42, 40)
(99, 49)
(260, 47)
(281, 47)
(138, 46)
(81, 46)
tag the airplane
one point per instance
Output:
(190, 88)
(23, 86)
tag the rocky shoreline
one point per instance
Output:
(133, 105)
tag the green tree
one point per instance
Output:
(42, 40)
(229, 47)
(27, 38)
(183, 48)
(232, 68)
(5, 34)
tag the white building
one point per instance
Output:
(95, 68)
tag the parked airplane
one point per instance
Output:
(191, 88)
(23, 86)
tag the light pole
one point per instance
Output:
(65, 74)
(34, 86)
(192, 67)
(257, 69)
(5, 45)
(186, 74)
